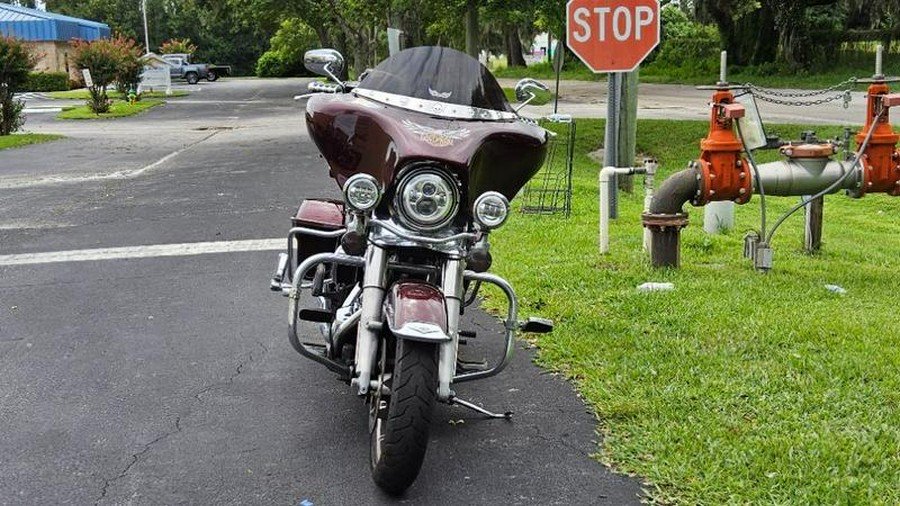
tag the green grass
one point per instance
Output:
(860, 65)
(118, 109)
(19, 140)
(83, 94)
(544, 71)
(736, 387)
(538, 99)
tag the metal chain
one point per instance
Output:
(782, 97)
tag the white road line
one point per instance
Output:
(150, 251)
(121, 174)
(40, 110)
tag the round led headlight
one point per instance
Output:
(427, 200)
(362, 193)
(491, 210)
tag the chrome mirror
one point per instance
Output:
(528, 89)
(324, 62)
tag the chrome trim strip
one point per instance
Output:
(435, 108)
(420, 331)
(404, 234)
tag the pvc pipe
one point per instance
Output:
(718, 217)
(607, 182)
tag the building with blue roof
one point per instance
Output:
(50, 35)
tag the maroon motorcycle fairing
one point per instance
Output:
(357, 134)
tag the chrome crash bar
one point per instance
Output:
(511, 324)
(294, 306)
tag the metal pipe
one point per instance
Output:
(611, 137)
(511, 324)
(879, 62)
(666, 218)
(675, 191)
(798, 177)
(723, 68)
(294, 309)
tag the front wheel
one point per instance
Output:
(192, 77)
(400, 423)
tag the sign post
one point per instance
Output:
(614, 36)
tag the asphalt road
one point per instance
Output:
(584, 99)
(169, 379)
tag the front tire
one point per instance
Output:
(399, 433)
(192, 78)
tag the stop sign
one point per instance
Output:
(612, 35)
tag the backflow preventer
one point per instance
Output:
(726, 170)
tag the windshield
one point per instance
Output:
(440, 81)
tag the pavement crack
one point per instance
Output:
(238, 370)
(561, 440)
(135, 458)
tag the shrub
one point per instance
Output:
(287, 47)
(15, 64)
(47, 81)
(116, 59)
(176, 46)
(131, 65)
(270, 64)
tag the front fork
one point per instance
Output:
(370, 323)
(452, 286)
(374, 281)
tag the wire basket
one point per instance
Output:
(550, 190)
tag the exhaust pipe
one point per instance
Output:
(666, 219)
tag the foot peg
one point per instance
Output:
(464, 366)
(478, 409)
(316, 315)
(536, 326)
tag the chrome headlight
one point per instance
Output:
(427, 199)
(491, 210)
(362, 193)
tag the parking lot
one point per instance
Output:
(134, 373)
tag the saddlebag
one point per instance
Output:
(317, 214)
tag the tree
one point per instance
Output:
(102, 58)
(178, 46)
(131, 65)
(15, 64)
(285, 55)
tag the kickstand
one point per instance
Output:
(479, 409)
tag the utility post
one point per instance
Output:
(146, 32)
(627, 131)
(614, 37)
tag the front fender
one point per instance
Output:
(416, 311)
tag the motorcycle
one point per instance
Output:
(428, 153)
